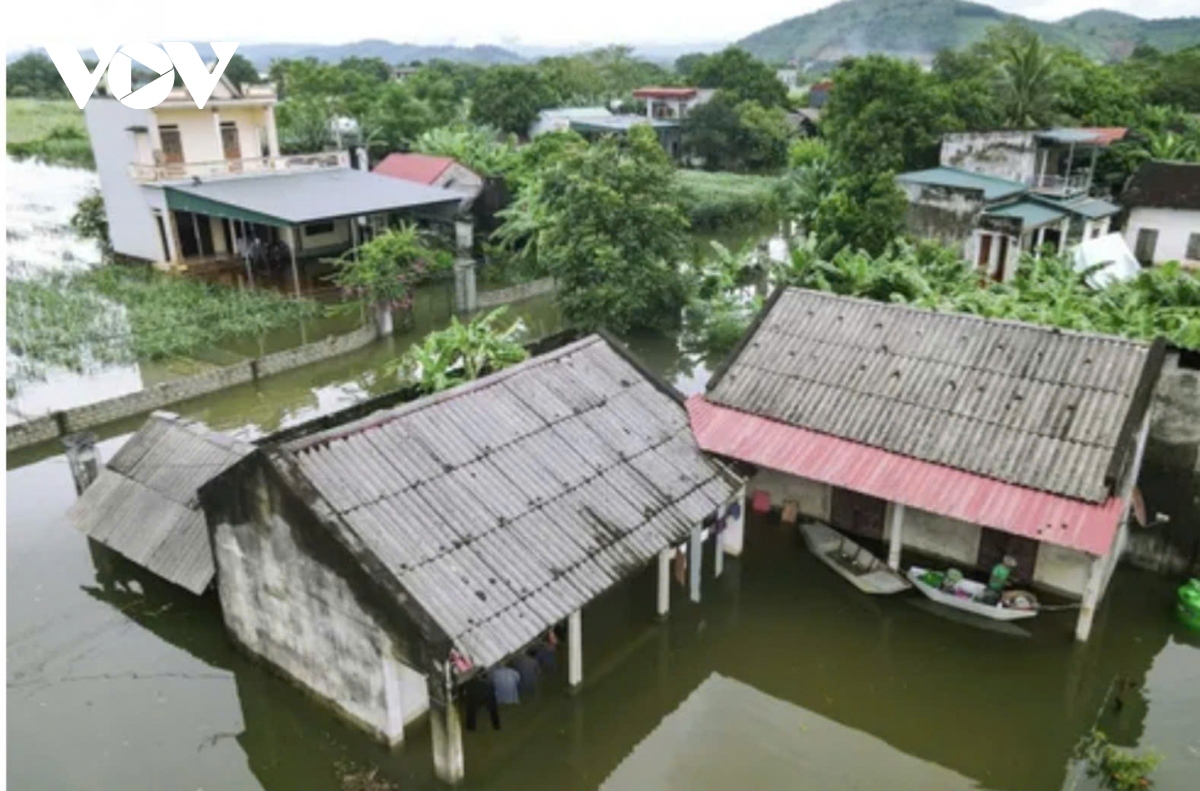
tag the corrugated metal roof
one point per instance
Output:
(1082, 205)
(1031, 213)
(144, 503)
(505, 504)
(1164, 185)
(291, 198)
(619, 123)
(973, 498)
(1034, 406)
(421, 168)
(993, 188)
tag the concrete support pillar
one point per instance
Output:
(895, 527)
(291, 243)
(1091, 597)
(575, 648)
(272, 132)
(1064, 228)
(465, 297)
(663, 605)
(733, 537)
(217, 130)
(83, 458)
(1039, 238)
(695, 562)
(394, 724)
(445, 728)
(718, 553)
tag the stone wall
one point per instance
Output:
(31, 432)
(1006, 155)
(946, 214)
(503, 296)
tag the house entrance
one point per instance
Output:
(857, 513)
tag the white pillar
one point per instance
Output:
(394, 718)
(1091, 596)
(272, 132)
(446, 732)
(695, 562)
(735, 525)
(664, 583)
(895, 526)
(1039, 238)
(575, 648)
(1064, 228)
(217, 128)
(291, 238)
(718, 554)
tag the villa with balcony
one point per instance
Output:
(206, 192)
(998, 194)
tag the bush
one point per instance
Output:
(712, 200)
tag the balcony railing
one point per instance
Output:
(1074, 184)
(233, 168)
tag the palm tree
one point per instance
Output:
(1170, 145)
(1028, 74)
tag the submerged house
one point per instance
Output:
(382, 559)
(206, 191)
(997, 194)
(1163, 201)
(948, 435)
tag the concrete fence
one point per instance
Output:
(503, 296)
(57, 424)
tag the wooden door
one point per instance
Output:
(857, 513)
(172, 145)
(231, 145)
(1147, 240)
(983, 260)
(1001, 259)
(994, 545)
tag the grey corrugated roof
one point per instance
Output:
(618, 123)
(503, 505)
(992, 188)
(1030, 405)
(1081, 205)
(144, 503)
(316, 194)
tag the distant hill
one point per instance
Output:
(919, 28)
(261, 55)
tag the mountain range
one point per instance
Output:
(919, 28)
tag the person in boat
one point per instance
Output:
(999, 579)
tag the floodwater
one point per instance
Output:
(782, 677)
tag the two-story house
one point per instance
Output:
(997, 194)
(207, 192)
(673, 103)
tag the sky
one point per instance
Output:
(463, 22)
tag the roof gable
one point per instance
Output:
(421, 168)
(1038, 407)
(505, 504)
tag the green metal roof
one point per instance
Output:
(1030, 213)
(993, 188)
(1081, 205)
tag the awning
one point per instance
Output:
(295, 198)
(1019, 510)
(1031, 213)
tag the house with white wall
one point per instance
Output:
(998, 194)
(940, 435)
(672, 104)
(1163, 200)
(207, 191)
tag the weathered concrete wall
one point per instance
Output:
(503, 296)
(31, 432)
(942, 213)
(1006, 155)
(1062, 570)
(940, 536)
(812, 497)
(1175, 228)
(296, 613)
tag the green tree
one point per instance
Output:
(509, 98)
(303, 124)
(479, 148)
(739, 72)
(607, 225)
(397, 117)
(711, 131)
(35, 75)
(463, 352)
(884, 114)
(241, 71)
(1093, 94)
(383, 272)
(1029, 76)
(863, 211)
(764, 136)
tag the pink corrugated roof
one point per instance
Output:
(1019, 510)
(421, 168)
(655, 92)
(1106, 135)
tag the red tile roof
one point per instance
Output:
(421, 168)
(1089, 527)
(1106, 135)
(664, 93)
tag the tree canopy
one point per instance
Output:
(510, 98)
(740, 73)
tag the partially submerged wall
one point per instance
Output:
(946, 214)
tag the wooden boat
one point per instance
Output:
(968, 597)
(862, 569)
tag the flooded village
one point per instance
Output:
(447, 512)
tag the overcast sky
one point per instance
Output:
(465, 22)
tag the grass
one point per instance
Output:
(712, 200)
(50, 130)
(119, 314)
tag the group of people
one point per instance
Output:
(504, 684)
(263, 256)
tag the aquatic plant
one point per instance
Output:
(1115, 768)
(462, 352)
(711, 200)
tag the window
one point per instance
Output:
(1193, 247)
(318, 228)
(172, 144)
(1147, 240)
